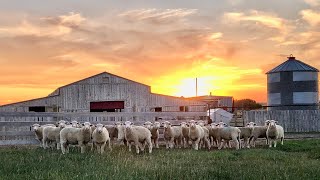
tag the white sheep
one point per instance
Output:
(185, 134)
(228, 133)
(154, 129)
(258, 132)
(75, 124)
(100, 137)
(274, 132)
(137, 135)
(75, 136)
(246, 133)
(213, 134)
(113, 132)
(172, 135)
(38, 131)
(205, 141)
(51, 134)
(121, 130)
(196, 134)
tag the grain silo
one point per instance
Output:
(293, 85)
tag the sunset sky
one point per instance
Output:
(228, 45)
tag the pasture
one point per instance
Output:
(296, 159)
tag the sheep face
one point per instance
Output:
(272, 123)
(75, 124)
(201, 123)
(251, 124)
(36, 127)
(61, 124)
(213, 125)
(222, 124)
(267, 122)
(128, 124)
(147, 124)
(166, 124)
(86, 126)
(99, 128)
(184, 125)
(156, 125)
(192, 124)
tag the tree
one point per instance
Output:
(247, 104)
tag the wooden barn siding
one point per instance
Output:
(291, 120)
(15, 127)
(77, 97)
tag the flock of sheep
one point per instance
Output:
(193, 133)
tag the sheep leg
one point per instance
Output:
(171, 143)
(222, 144)
(102, 147)
(82, 147)
(156, 143)
(137, 147)
(150, 145)
(63, 147)
(109, 145)
(282, 140)
(237, 141)
(167, 144)
(44, 143)
(129, 145)
(196, 147)
(275, 143)
(270, 142)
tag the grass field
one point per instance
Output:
(293, 160)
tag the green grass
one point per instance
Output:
(294, 160)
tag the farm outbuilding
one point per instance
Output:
(293, 85)
(106, 92)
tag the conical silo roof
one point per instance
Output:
(292, 64)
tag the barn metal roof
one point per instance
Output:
(292, 64)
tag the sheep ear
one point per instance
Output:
(255, 124)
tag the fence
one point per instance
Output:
(291, 120)
(15, 127)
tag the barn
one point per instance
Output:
(106, 92)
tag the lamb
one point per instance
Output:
(137, 135)
(273, 133)
(245, 134)
(75, 124)
(185, 134)
(172, 134)
(258, 132)
(213, 134)
(196, 133)
(100, 137)
(205, 140)
(113, 132)
(154, 129)
(75, 136)
(51, 134)
(121, 132)
(38, 131)
(227, 134)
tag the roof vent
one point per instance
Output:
(291, 57)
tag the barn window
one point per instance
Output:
(105, 79)
(181, 108)
(158, 109)
(37, 109)
(106, 106)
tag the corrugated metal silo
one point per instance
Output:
(293, 85)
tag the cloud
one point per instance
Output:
(157, 16)
(265, 19)
(314, 3)
(311, 16)
(71, 20)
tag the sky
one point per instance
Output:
(227, 45)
